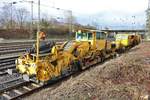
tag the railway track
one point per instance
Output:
(16, 48)
(13, 47)
(8, 83)
(23, 88)
(12, 51)
(11, 88)
(25, 42)
(15, 43)
(7, 63)
(17, 88)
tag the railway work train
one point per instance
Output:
(88, 48)
(126, 40)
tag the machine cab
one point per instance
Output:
(84, 36)
(97, 38)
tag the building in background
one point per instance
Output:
(148, 21)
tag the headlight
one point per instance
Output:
(113, 42)
(18, 61)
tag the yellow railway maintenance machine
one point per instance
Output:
(88, 48)
(126, 40)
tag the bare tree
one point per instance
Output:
(45, 21)
(21, 15)
(6, 16)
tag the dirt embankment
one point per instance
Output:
(124, 78)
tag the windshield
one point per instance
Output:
(100, 35)
(121, 36)
(84, 36)
(90, 36)
(81, 36)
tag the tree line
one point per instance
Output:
(17, 21)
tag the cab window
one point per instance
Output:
(121, 37)
(90, 36)
(81, 36)
(100, 35)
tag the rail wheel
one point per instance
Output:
(43, 72)
(103, 56)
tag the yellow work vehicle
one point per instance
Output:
(88, 48)
(136, 39)
(125, 40)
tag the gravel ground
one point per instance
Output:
(124, 78)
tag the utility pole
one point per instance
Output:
(11, 15)
(133, 22)
(39, 13)
(70, 21)
(70, 24)
(38, 31)
(31, 25)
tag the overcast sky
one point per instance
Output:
(113, 10)
(108, 11)
(95, 6)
